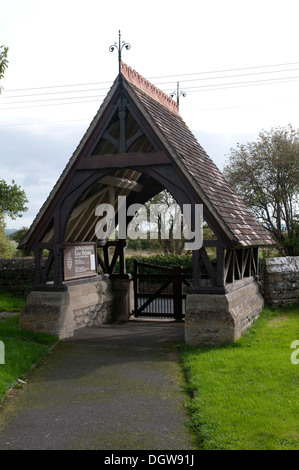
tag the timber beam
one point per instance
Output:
(122, 160)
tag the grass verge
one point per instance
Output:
(22, 350)
(11, 303)
(245, 395)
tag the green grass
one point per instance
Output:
(22, 350)
(245, 395)
(10, 303)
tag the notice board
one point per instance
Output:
(80, 260)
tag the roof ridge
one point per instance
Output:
(146, 86)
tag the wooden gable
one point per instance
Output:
(139, 126)
(136, 146)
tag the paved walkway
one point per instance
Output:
(112, 388)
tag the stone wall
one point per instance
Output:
(281, 281)
(16, 274)
(87, 302)
(220, 319)
(91, 302)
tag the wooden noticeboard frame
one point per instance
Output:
(80, 260)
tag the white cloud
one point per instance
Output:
(56, 42)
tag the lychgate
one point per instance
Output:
(136, 146)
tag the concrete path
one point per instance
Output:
(114, 387)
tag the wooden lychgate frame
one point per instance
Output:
(136, 146)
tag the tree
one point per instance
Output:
(12, 197)
(7, 246)
(12, 203)
(3, 61)
(265, 174)
(166, 221)
(18, 235)
(12, 200)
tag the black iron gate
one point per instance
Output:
(160, 291)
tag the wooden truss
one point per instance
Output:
(123, 155)
(231, 265)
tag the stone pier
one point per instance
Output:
(214, 319)
(86, 302)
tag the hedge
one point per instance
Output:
(169, 260)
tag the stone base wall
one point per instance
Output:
(48, 312)
(90, 302)
(84, 303)
(220, 319)
(123, 297)
(281, 281)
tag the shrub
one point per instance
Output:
(169, 260)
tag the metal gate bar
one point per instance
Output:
(167, 300)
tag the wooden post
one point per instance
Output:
(122, 259)
(135, 283)
(58, 261)
(47, 267)
(177, 286)
(256, 257)
(38, 268)
(220, 267)
(195, 268)
(106, 250)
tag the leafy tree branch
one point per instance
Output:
(3, 61)
(265, 174)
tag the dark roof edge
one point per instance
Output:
(60, 180)
(182, 167)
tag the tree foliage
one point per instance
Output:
(7, 247)
(3, 61)
(170, 244)
(12, 203)
(12, 199)
(18, 235)
(265, 174)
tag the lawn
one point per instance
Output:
(22, 350)
(11, 303)
(245, 395)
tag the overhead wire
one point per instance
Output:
(226, 70)
(55, 93)
(160, 77)
(196, 88)
(69, 100)
(172, 76)
(54, 104)
(54, 99)
(224, 86)
(83, 99)
(44, 122)
(57, 86)
(230, 76)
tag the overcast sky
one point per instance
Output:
(237, 61)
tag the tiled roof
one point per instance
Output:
(226, 206)
(161, 112)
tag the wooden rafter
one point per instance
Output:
(167, 156)
(122, 160)
(120, 182)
